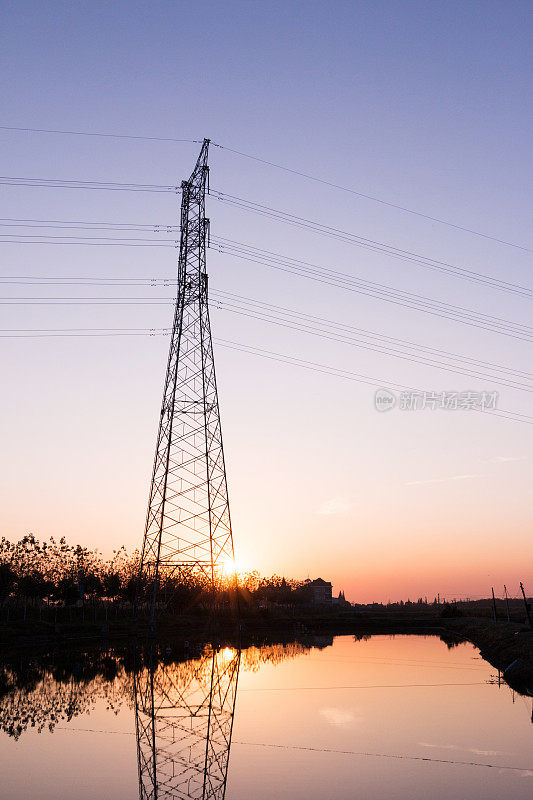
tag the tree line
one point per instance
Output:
(55, 572)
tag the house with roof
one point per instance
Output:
(318, 591)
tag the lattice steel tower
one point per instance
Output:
(188, 525)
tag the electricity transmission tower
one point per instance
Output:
(188, 525)
(183, 722)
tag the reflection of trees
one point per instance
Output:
(42, 692)
(183, 721)
(43, 696)
(451, 640)
(254, 657)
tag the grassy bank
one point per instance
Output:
(502, 644)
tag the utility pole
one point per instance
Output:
(188, 532)
(494, 606)
(528, 613)
(507, 603)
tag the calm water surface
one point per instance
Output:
(380, 718)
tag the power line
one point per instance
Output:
(154, 227)
(151, 243)
(378, 291)
(386, 349)
(289, 170)
(316, 227)
(371, 244)
(342, 280)
(67, 335)
(313, 366)
(504, 327)
(327, 370)
(87, 302)
(454, 313)
(66, 330)
(73, 281)
(103, 135)
(56, 183)
(241, 302)
(85, 238)
(373, 334)
(511, 380)
(374, 199)
(23, 238)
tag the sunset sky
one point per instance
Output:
(422, 105)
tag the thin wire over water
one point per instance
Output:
(527, 771)
(365, 686)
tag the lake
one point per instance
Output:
(373, 717)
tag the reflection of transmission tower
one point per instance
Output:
(188, 525)
(184, 719)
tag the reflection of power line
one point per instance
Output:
(396, 756)
(184, 722)
(363, 686)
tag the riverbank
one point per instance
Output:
(500, 643)
(507, 646)
(202, 626)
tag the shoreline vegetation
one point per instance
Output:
(56, 594)
(506, 646)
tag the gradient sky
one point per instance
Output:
(425, 105)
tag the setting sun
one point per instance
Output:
(234, 566)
